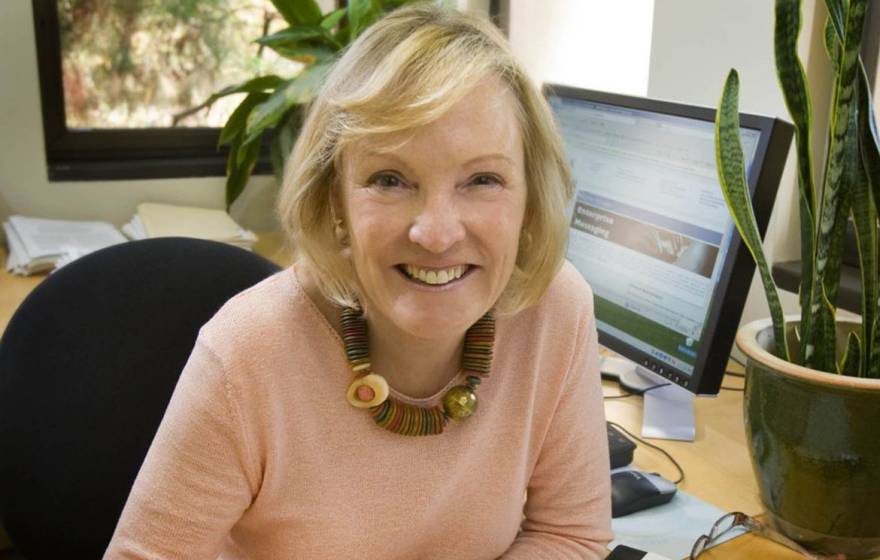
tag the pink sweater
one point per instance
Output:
(260, 456)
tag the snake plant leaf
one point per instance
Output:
(832, 44)
(844, 94)
(238, 118)
(292, 35)
(837, 15)
(239, 167)
(848, 183)
(295, 92)
(866, 235)
(865, 219)
(793, 83)
(870, 155)
(869, 137)
(731, 174)
(864, 213)
(332, 19)
(874, 359)
(261, 83)
(824, 330)
(824, 344)
(299, 12)
(851, 362)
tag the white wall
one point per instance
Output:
(592, 44)
(695, 43)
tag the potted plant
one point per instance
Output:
(273, 105)
(812, 397)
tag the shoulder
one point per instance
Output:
(260, 319)
(568, 296)
(570, 286)
(561, 318)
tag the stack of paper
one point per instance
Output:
(165, 220)
(37, 244)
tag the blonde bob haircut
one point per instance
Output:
(406, 71)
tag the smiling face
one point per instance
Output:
(434, 215)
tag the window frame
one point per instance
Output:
(110, 154)
(134, 153)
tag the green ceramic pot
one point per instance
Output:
(814, 438)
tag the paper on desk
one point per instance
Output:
(135, 228)
(670, 529)
(164, 220)
(42, 237)
(37, 244)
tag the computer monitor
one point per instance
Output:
(651, 233)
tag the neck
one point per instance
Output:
(416, 367)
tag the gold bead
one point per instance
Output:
(460, 402)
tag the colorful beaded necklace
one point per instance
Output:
(370, 390)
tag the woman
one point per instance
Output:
(426, 201)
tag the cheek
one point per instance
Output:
(502, 230)
(371, 231)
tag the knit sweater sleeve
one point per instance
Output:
(568, 508)
(194, 483)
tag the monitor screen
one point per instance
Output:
(649, 228)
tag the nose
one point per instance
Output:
(437, 226)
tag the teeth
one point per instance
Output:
(435, 277)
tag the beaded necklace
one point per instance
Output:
(370, 390)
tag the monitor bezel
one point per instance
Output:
(722, 321)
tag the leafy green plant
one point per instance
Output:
(273, 104)
(850, 190)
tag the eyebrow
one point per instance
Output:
(477, 159)
(489, 157)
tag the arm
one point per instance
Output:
(194, 483)
(568, 510)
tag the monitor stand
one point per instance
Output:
(668, 411)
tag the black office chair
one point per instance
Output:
(87, 367)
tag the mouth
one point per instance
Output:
(435, 276)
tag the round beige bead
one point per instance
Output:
(375, 382)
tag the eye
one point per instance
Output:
(385, 180)
(486, 180)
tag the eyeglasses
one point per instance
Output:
(724, 525)
(730, 521)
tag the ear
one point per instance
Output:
(337, 194)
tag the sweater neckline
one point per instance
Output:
(431, 400)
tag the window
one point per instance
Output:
(117, 78)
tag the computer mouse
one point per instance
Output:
(633, 491)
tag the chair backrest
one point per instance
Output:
(87, 366)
